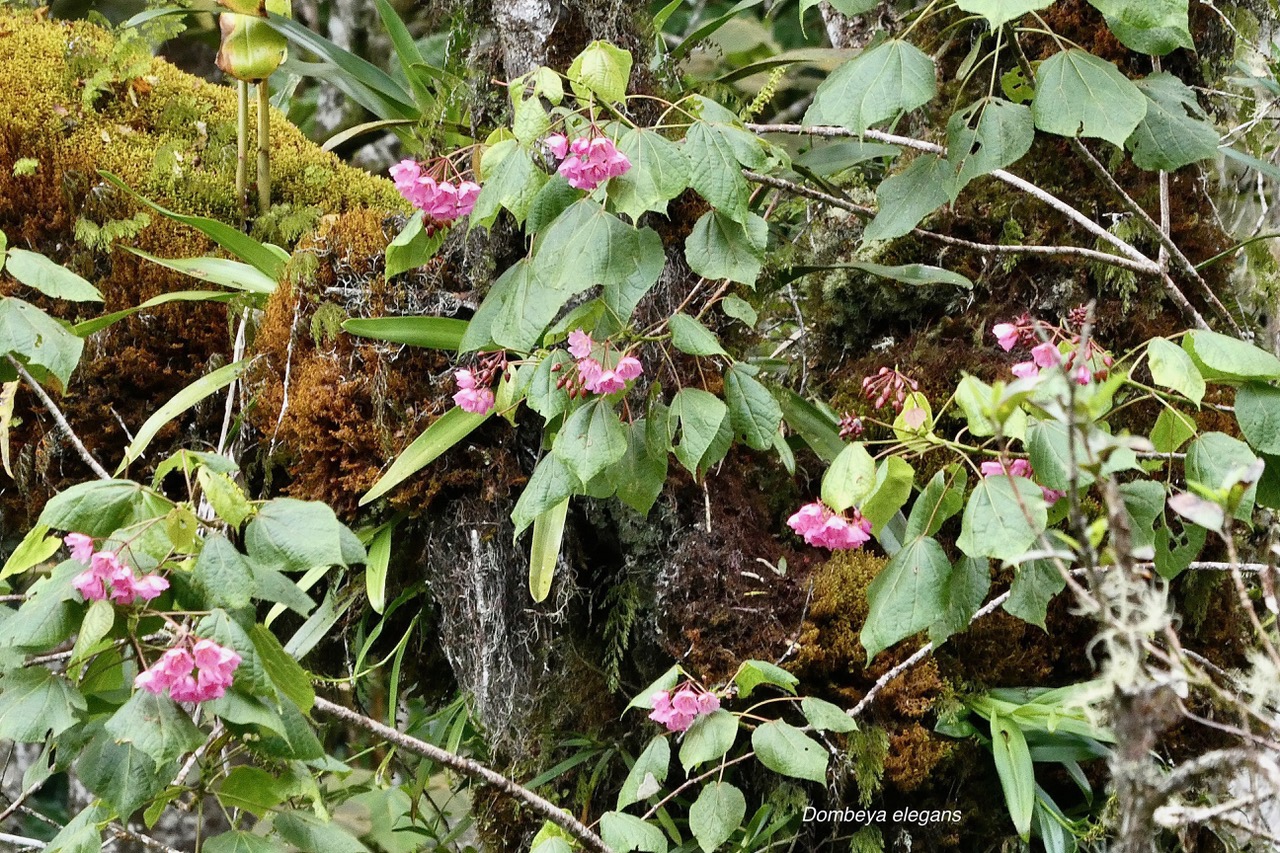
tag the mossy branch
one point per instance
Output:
(474, 769)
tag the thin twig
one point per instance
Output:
(22, 841)
(60, 419)
(985, 248)
(475, 770)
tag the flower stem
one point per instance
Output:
(264, 149)
(242, 145)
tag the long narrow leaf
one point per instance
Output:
(343, 137)
(267, 259)
(180, 402)
(406, 52)
(430, 332)
(446, 431)
(821, 433)
(691, 41)
(365, 82)
(228, 273)
(97, 324)
(548, 530)
(375, 568)
(1017, 776)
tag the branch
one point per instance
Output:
(22, 841)
(474, 769)
(60, 419)
(985, 248)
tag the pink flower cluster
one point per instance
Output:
(596, 376)
(586, 163)
(678, 710)
(107, 577)
(1018, 468)
(826, 529)
(1024, 331)
(440, 200)
(176, 672)
(470, 397)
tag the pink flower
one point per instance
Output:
(1025, 370)
(591, 162)
(1046, 355)
(600, 380)
(826, 529)
(1018, 468)
(441, 201)
(81, 546)
(150, 586)
(175, 672)
(580, 344)
(1006, 335)
(152, 681)
(557, 145)
(677, 712)
(1083, 375)
(628, 368)
(1051, 496)
(477, 401)
(90, 586)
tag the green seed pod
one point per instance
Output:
(251, 50)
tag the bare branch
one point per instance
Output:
(60, 419)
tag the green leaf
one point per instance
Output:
(48, 616)
(600, 69)
(267, 259)
(225, 496)
(39, 273)
(284, 671)
(234, 274)
(432, 332)
(155, 726)
(307, 832)
(1215, 460)
(99, 508)
(36, 547)
(659, 172)
(444, 432)
(544, 551)
(700, 414)
(550, 485)
(252, 788)
(623, 294)
(710, 737)
(121, 775)
(544, 395)
(941, 499)
(850, 478)
(511, 181)
(375, 569)
(81, 834)
(913, 274)
(739, 309)
(826, 717)
(753, 673)
(714, 171)
(222, 575)
(753, 412)
(1000, 12)
(97, 623)
(962, 595)
(35, 703)
(647, 774)
(272, 585)
(720, 248)
(692, 337)
(1174, 133)
(819, 430)
(716, 814)
(413, 246)
(1258, 413)
(1013, 766)
(1079, 94)
(785, 749)
(591, 440)
(1224, 359)
(1172, 368)
(295, 536)
(892, 488)
(906, 597)
(875, 86)
(1003, 134)
(239, 841)
(37, 340)
(1035, 583)
(185, 399)
(995, 524)
(642, 472)
(624, 832)
(909, 196)
(1156, 27)
(97, 324)
(1171, 430)
(666, 681)
(1144, 501)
